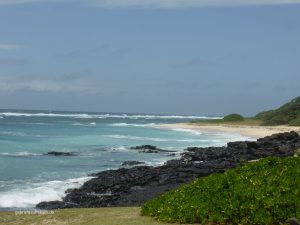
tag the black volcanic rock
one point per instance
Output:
(134, 186)
(149, 149)
(60, 153)
(132, 163)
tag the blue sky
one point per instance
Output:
(181, 56)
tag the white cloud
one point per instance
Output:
(9, 46)
(13, 85)
(159, 3)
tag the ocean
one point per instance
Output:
(100, 141)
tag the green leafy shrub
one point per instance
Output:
(262, 192)
(233, 117)
(286, 114)
(295, 122)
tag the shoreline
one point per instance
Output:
(136, 185)
(244, 130)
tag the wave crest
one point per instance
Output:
(138, 138)
(17, 154)
(104, 116)
(39, 192)
(12, 133)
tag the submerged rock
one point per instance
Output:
(134, 186)
(60, 153)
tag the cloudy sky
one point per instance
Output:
(204, 57)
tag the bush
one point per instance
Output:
(262, 192)
(283, 115)
(233, 117)
(278, 119)
(295, 122)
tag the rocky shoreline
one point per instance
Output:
(134, 186)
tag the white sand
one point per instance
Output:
(244, 130)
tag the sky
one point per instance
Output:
(198, 57)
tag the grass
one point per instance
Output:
(245, 122)
(94, 216)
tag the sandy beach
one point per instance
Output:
(244, 130)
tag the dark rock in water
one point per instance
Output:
(142, 147)
(60, 153)
(149, 149)
(136, 185)
(132, 163)
(51, 205)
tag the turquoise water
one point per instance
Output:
(101, 141)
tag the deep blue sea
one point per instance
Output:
(101, 141)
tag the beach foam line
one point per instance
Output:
(131, 125)
(195, 132)
(29, 196)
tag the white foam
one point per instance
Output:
(135, 138)
(131, 125)
(222, 138)
(85, 125)
(19, 154)
(188, 131)
(21, 134)
(40, 124)
(12, 133)
(10, 114)
(119, 148)
(104, 116)
(138, 138)
(31, 195)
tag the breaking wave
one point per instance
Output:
(12, 133)
(33, 194)
(85, 124)
(104, 116)
(16, 154)
(138, 138)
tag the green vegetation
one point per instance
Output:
(233, 118)
(295, 122)
(246, 122)
(289, 113)
(262, 192)
(98, 216)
